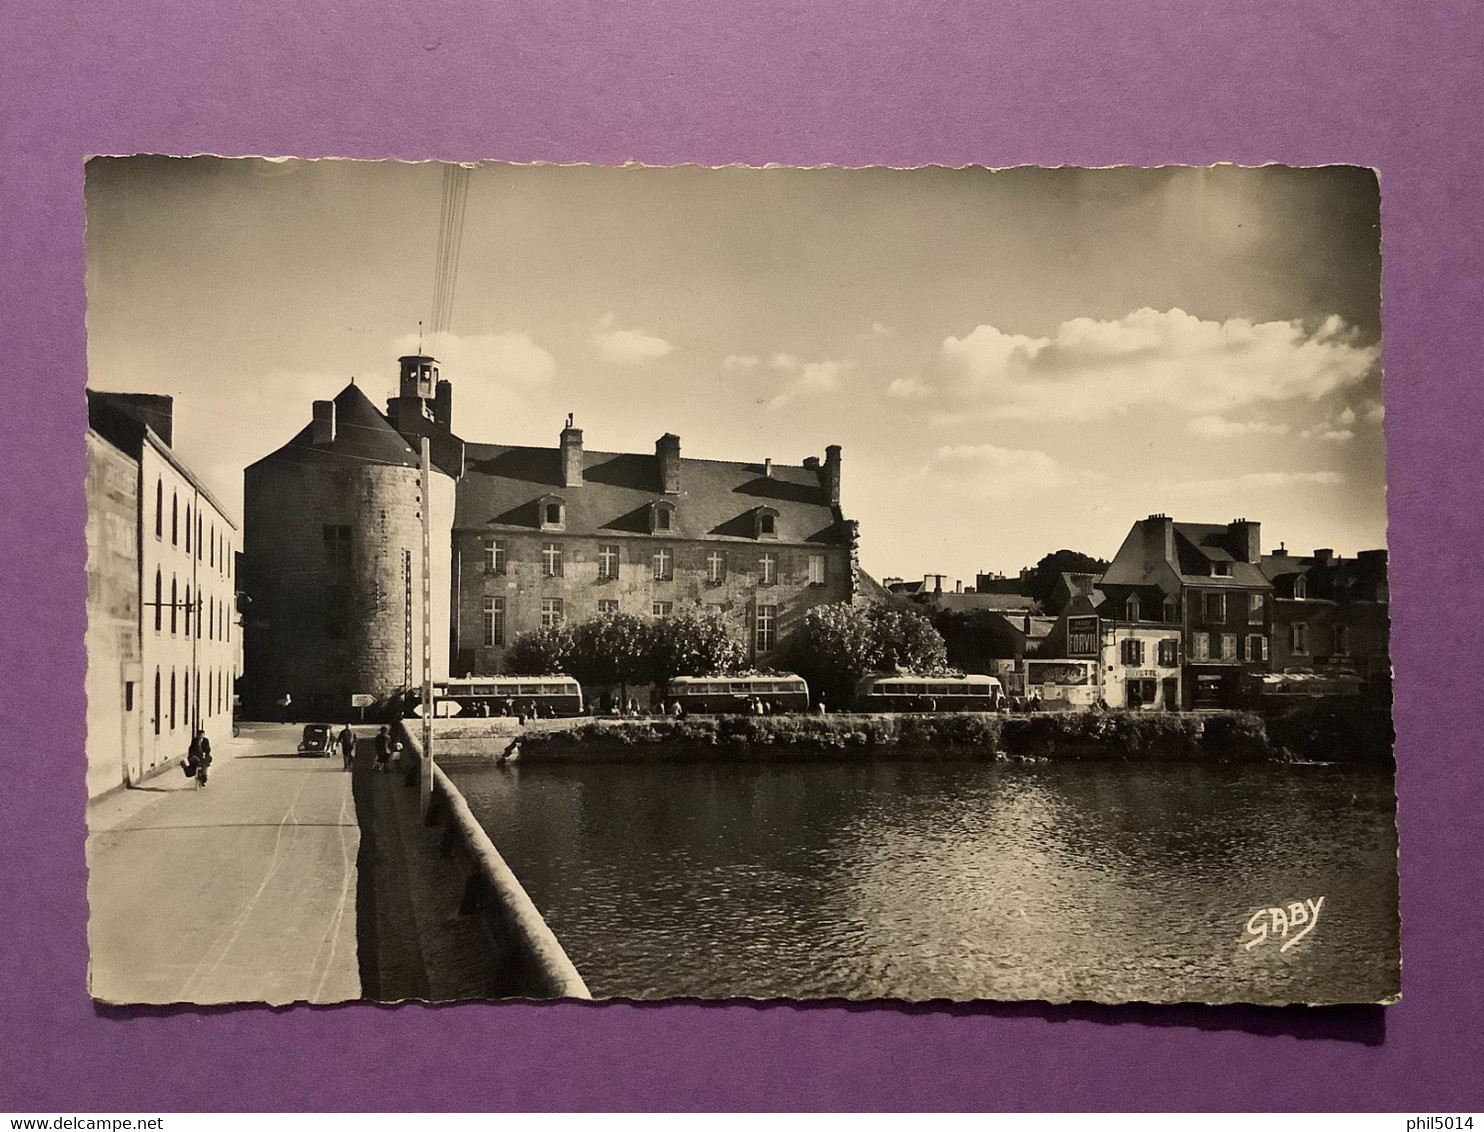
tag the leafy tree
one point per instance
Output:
(1046, 573)
(541, 653)
(695, 645)
(835, 645)
(615, 649)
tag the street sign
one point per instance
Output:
(361, 699)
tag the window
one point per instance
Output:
(1228, 646)
(174, 519)
(211, 554)
(172, 699)
(551, 612)
(1342, 640)
(607, 605)
(174, 606)
(1215, 607)
(1172, 611)
(157, 701)
(188, 528)
(551, 560)
(337, 548)
(1131, 608)
(1300, 587)
(185, 696)
(494, 556)
(1298, 638)
(663, 561)
(767, 569)
(662, 608)
(159, 601)
(1257, 647)
(1200, 646)
(159, 520)
(1131, 653)
(553, 513)
(337, 612)
(211, 620)
(494, 622)
(1221, 569)
(608, 560)
(1256, 605)
(189, 608)
(767, 623)
(1169, 653)
(816, 569)
(200, 550)
(716, 567)
(128, 695)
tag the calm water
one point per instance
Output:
(953, 880)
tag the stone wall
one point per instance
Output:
(524, 586)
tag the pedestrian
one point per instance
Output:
(199, 757)
(347, 740)
(383, 749)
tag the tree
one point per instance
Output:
(542, 653)
(614, 649)
(695, 645)
(836, 645)
(1046, 573)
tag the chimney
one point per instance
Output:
(323, 429)
(832, 473)
(1246, 541)
(571, 455)
(667, 452)
(1325, 556)
(443, 405)
(958, 585)
(812, 463)
(1159, 539)
(768, 468)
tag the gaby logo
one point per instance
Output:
(1276, 922)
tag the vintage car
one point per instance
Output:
(316, 740)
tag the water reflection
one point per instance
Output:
(958, 880)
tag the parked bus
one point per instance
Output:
(730, 695)
(504, 695)
(929, 694)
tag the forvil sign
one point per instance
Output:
(1276, 922)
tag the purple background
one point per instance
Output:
(1099, 82)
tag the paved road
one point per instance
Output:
(242, 892)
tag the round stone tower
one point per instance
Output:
(332, 565)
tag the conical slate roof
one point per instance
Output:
(362, 435)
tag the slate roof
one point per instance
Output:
(362, 434)
(1197, 545)
(503, 486)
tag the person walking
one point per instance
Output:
(383, 749)
(347, 741)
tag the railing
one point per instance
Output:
(528, 957)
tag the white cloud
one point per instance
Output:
(628, 347)
(1325, 432)
(1262, 480)
(1374, 412)
(1220, 428)
(1088, 368)
(741, 363)
(881, 330)
(511, 360)
(1346, 419)
(986, 470)
(812, 378)
(909, 389)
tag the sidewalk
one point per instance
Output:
(242, 892)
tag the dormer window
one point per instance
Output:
(1131, 610)
(1300, 587)
(1221, 569)
(765, 523)
(553, 511)
(661, 517)
(1172, 611)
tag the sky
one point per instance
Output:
(1013, 361)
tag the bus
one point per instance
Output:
(730, 695)
(929, 694)
(543, 696)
